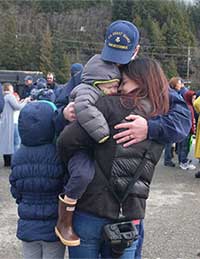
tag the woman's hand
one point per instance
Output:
(26, 100)
(69, 112)
(134, 131)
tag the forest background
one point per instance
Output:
(50, 35)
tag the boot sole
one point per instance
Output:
(66, 242)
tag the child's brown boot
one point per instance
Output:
(64, 228)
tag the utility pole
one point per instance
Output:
(188, 63)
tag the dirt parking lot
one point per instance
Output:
(9, 244)
(171, 224)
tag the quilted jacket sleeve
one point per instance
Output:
(89, 117)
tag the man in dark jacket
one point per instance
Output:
(51, 83)
(28, 86)
(1, 99)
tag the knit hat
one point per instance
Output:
(41, 83)
(76, 67)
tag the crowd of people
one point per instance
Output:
(183, 148)
(88, 149)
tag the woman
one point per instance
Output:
(7, 123)
(143, 91)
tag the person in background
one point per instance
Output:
(7, 123)
(63, 98)
(1, 99)
(184, 145)
(36, 179)
(42, 92)
(51, 81)
(17, 139)
(175, 83)
(184, 88)
(75, 68)
(28, 86)
(196, 114)
(196, 105)
(41, 83)
(169, 154)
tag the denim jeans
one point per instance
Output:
(43, 250)
(89, 229)
(183, 150)
(17, 140)
(168, 153)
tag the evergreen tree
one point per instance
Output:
(46, 52)
(195, 18)
(64, 71)
(122, 10)
(9, 54)
(167, 28)
(170, 68)
(156, 37)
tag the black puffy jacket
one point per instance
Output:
(115, 165)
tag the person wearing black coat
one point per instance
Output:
(28, 87)
(106, 199)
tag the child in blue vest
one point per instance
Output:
(36, 180)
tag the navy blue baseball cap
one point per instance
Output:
(28, 78)
(121, 39)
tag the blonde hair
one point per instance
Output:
(174, 81)
(7, 86)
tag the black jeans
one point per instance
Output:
(7, 160)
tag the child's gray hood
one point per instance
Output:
(98, 70)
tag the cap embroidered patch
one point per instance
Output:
(118, 40)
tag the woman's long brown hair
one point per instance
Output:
(153, 84)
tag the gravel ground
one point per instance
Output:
(172, 221)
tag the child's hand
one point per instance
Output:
(69, 112)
